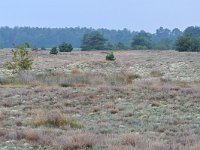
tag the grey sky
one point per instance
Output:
(112, 14)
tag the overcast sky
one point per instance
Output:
(112, 14)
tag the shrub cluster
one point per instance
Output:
(54, 51)
(63, 47)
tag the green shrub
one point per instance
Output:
(187, 42)
(110, 56)
(65, 47)
(20, 60)
(54, 51)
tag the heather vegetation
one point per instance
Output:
(145, 100)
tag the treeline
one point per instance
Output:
(49, 37)
(162, 39)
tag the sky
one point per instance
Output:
(134, 15)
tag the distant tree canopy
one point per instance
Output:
(48, 37)
(93, 41)
(163, 38)
(141, 41)
(189, 41)
(194, 31)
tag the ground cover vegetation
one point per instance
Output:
(145, 100)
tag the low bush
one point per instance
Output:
(110, 56)
(65, 47)
(54, 51)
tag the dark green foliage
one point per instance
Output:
(43, 48)
(110, 46)
(49, 37)
(20, 59)
(93, 41)
(120, 46)
(163, 44)
(141, 41)
(27, 45)
(187, 43)
(65, 47)
(165, 39)
(54, 51)
(110, 56)
(194, 31)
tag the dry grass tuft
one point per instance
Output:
(53, 119)
(15, 135)
(81, 141)
(3, 132)
(128, 139)
(32, 135)
(75, 71)
(156, 73)
(123, 78)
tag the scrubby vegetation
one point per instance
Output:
(79, 100)
(20, 59)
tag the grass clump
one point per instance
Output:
(122, 78)
(54, 119)
(156, 73)
(81, 141)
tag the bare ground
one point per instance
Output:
(145, 100)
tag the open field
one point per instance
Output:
(145, 100)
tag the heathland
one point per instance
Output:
(144, 100)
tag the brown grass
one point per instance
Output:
(128, 139)
(81, 141)
(32, 135)
(53, 118)
(75, 71)
(3, 132)
(156, 73)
